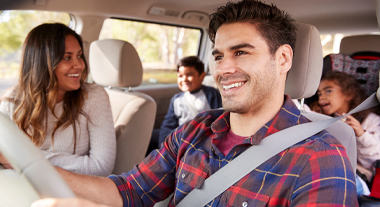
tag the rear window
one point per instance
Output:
(14, 26)
(159, 46)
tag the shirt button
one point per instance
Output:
(244, 204)
(183, 175)
(212, 149)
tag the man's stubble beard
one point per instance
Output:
(261, 85)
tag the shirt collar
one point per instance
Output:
(288, 116)
(196, 91)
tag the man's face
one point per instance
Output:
(245, 71)
(189, 79)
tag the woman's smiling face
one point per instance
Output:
(70, 68)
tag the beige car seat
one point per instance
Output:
(116, 65)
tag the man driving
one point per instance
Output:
(253, 51)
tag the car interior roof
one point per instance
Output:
(338, 16)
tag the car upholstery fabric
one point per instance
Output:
(115, 63)
(304, 75)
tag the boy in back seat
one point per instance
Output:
(193, 99)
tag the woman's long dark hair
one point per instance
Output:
(36, 92)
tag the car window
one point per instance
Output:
(14, 26)
(159, 46)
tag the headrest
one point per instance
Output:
(359, 43)
(305, 73)
(115, 63)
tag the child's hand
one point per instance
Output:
(355, 124)
(5, 162)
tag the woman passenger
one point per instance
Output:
(67, 118)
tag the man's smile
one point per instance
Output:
(233, 85)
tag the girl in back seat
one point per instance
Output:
(67, 118)
(338, 94)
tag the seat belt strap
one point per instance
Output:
(268, 147)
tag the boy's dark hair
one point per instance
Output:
(274, 25)
(192, 61)
(351, 88)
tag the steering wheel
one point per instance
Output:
(29, 161)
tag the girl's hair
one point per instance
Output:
(351, 88)
(36, 92)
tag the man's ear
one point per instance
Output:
(285, 58)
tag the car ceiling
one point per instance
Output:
(329, 16)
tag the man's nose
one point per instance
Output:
(225, 66)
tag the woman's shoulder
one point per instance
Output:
(93, 89)
(7, 106)
(7, 93)
(95, 92)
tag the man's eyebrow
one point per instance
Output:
(243, 45)
(215, 51)
(235, 47)
(327, 87)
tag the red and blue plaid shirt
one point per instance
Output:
(314, 172)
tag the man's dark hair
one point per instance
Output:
(275, 26)
(192, 61)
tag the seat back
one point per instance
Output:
(356, 43)
(115, 64)
(303, 81)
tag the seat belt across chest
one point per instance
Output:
(268, 147)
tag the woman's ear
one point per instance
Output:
(285, 57)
